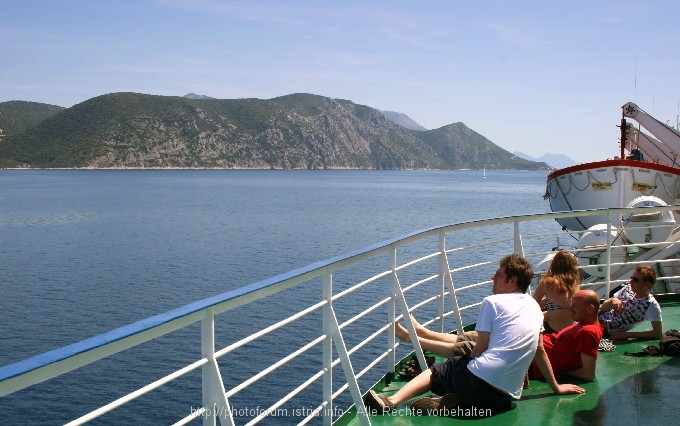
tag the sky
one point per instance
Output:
(532, 76)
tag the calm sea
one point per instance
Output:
(84, 252)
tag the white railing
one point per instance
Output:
(445, 273)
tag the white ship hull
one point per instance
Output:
(608, 184)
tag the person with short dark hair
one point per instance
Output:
(632, 305)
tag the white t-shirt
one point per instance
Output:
(514, 321)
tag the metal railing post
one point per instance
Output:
(443, 270)
(347, 369)
(207, 376)
(214, 398)
(608, 253)
(519, 248)
(328, 349)
(397, 298)
(392, 311)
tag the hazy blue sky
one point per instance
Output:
(534, 76)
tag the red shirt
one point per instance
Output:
(565, 347)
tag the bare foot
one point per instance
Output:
(416, 325)
(401, 332)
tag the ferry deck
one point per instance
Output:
(630, 390)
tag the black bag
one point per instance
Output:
(668, 345)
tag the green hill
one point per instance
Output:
(299, 131)
(458, 144)
(17, 116)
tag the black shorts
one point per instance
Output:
(454, 376)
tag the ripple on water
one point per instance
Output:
(12, 222)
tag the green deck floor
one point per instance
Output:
(627, 391)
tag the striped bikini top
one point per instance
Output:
(550, 306)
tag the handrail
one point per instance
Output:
(417, 271)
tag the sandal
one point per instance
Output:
(443, 406)
(379, 404)
(426, 406)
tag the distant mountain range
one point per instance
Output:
(556, 161)
(195, 96)
(403, 120)
(299, 131)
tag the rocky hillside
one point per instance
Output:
(299, 131)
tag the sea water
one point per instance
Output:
(85, 251)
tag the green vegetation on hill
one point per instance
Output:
(458, 144)
(299, 131)
(17, 116)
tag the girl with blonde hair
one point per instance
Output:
(555, 290)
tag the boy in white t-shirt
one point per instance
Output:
(509, 329)
(632, 305)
